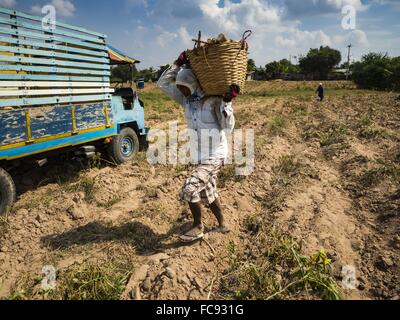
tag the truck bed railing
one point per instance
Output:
(50, 66)
(54, 83)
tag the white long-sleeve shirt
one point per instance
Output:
(210, 117)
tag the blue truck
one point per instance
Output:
(56, 97)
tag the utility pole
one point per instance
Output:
(348, 61)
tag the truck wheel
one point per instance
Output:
(124, 147)
(7, 192)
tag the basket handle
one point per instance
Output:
(246, 35)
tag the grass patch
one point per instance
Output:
(286, 173)
(110, 203)
(371, 133)
(95, 162)
(103, 275)
(159, 106)
(276, 124)
(366, 120)
(88, 186)
(243, 119)
(88, 281)
(287, 166)
(333, 135)
(3, 224)
(38, 201)
(94, 282)
(180, 169)
(297, 109)
(305, 93)
(275, 268)
(376, 175)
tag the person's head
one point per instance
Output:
(187, 83)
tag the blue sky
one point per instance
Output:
(155, 31)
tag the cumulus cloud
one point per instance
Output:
(356, 37)
(303, 40)
(37, 9)
(8, 3)
(235, 16)
(186, 38)
(64, 8)
(166, 38)
(276, 35)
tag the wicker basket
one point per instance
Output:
(219, 65)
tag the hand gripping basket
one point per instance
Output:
(217, 65)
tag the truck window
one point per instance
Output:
(127, 102)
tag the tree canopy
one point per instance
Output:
(377, 71)
(123, 73)
(320, 61)
(277, 69)
(251, 66)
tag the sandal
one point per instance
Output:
(192, 235)
(222, 230)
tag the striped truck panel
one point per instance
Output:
(54, 84)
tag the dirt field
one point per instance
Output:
(327, 177)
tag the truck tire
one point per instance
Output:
(7, 192)
(124, 147)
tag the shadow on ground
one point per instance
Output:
(140, 236)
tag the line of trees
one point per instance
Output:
(374, 71)
(317, 65)
(377, 71)
(127, 73)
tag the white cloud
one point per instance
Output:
(185, 36)
(64, 8)
(338, 4)
(166, 38)
(36, 9)
(303, 40)
(276, 35)
(285, 42)
(8, 3)
(236, 16)
(356, 37)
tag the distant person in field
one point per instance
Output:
(207, 117)
(320, 91)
